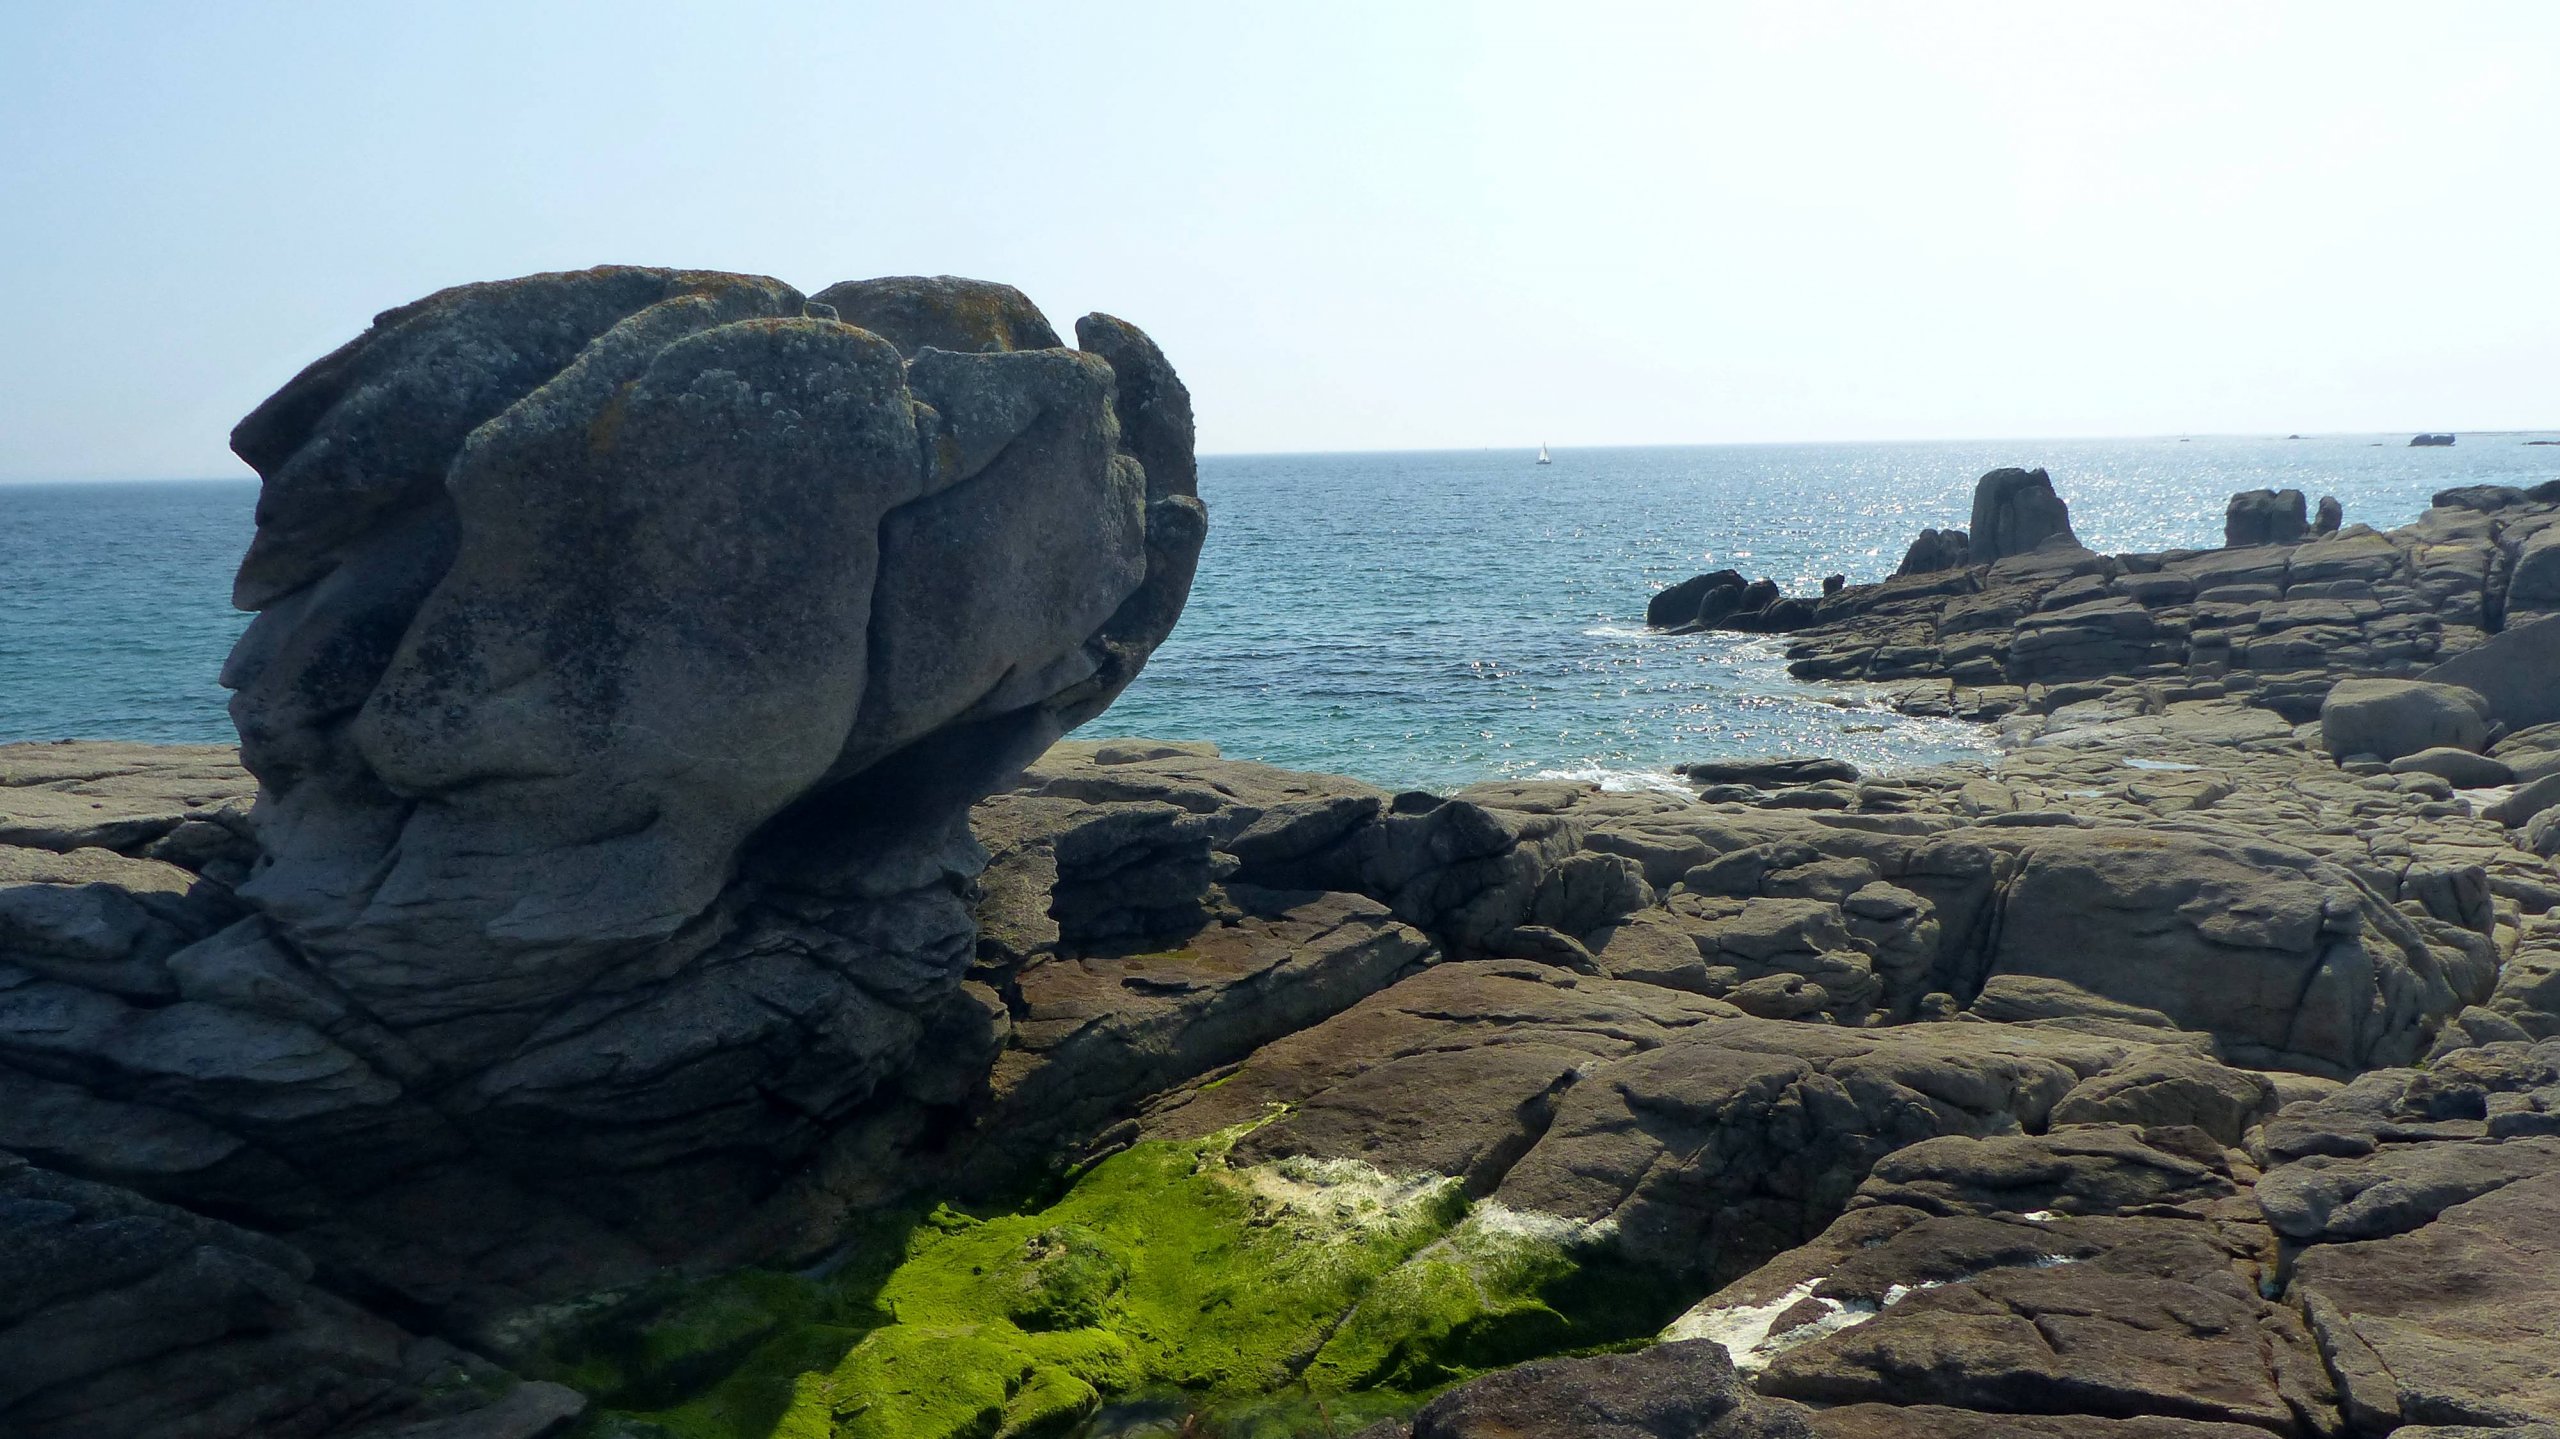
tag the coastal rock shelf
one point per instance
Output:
(655, 967)
(2129, 1017)
(2266, 618)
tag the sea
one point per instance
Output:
(1417, 619)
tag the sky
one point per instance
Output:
(1351, 226)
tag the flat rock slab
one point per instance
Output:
(2106, 1337)
(1687, 1390)
(111, 795)
(2328, 1200)
(1704, 1140)
(2454, 1322)
(1092, 1036)
(1933, 1421)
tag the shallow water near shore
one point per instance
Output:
(1416, 619)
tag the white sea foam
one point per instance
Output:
(1501, 1221)
(1617, 780)
(1741, 1328)
(1744, 1329)
(1342, 1188)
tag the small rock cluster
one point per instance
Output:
(2274, 618)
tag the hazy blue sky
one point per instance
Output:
(1354, 226)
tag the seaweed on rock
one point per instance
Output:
(1255, 1298)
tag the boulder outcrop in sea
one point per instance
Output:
(2266, 517)
(2016, 511)
(2277, 622)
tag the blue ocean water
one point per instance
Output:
(1425, 619)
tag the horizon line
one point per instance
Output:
(1527, 446)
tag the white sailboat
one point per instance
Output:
(1542, 454)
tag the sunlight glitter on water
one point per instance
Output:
(1417, 620)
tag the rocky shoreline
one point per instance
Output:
(2190, 1070)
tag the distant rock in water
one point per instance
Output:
(1936, 550)
(1678, 605)
(2330, 516)
(2015, 511)
(2420, 441)
(2265, 517)
(1722, 598)
(1769, 773)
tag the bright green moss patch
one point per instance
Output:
(1162, 1267)
(1301, 1297)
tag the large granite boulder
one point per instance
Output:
(2533, 583)
(1680, 604)
(2388, 718)
(2288, 961)
(630, 646)
(2516, 673)
(2015, 511)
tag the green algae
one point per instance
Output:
(1296, 1297)
(1161, 1267)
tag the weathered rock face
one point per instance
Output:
(476, 736)
(1964, 1053)
(942, 312)
(538, 657)
(127, 1317)
(2287, 961)
(2106, 1262)
(630, 647)
(2015, 511)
